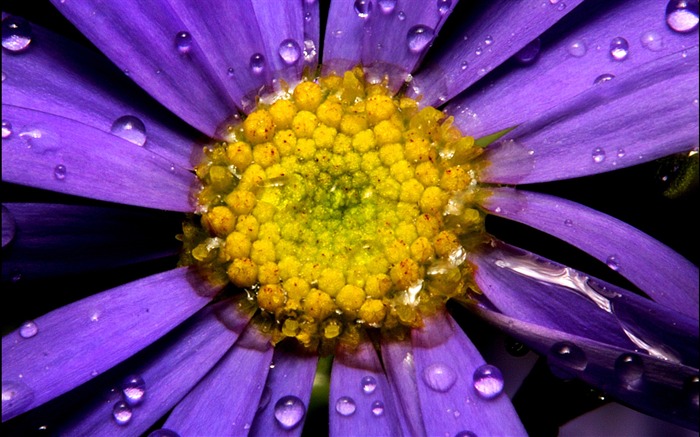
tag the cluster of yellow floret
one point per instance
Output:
(330, 206)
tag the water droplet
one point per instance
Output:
(598, 155)
(230, 72)
(28, 329)
(567, 355)
(619, 48)
(613, 262)
(607, 77)
(363, 8)
(163, 432)
(309, 50)
(488, 381)
(345, 406)
(401, 15)
(387, 6)
(444, 6)
(681, 16)
(130, 128)
(488, 40)
(652, 41)
(439, 377)
(134, 389)
(257, 63)
(464, 65)
(183, 42)
(561, 6)
(577, 49)
(419, 37)
(289, 411)
(122, 413)
(481, 72)
(377, 408)
(478, 51)
(4, 76)
(6, 129)
(16, 34)
(368, 384)
(529, 53)
(289, 51)
(620, 153)
(465, 434)
(16, 396)
(568, 223)
(59, 172)
(307, 16)
(629, 368)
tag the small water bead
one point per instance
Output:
(401, 15)
(561, 6)
(603, 78)
(134, 389)
(488, 40)
(613, 263)
(464, 65)
(568, 355)
(163, 432)
(289, 51)
(478, 51)
(568, 223)
(59, 172)
(307, 16)
(488, 381)
(465, 434)
(387, 6)
(577, 49)
(439, 377)
(6, 129)
(619, 48)
(363, 8)
(529, 53)
(130, 128)
(16, 34)
(28, 329)
(419, 37)
(345, 406)
(652, 41)
(377, 408)
(598, 155)
(230, 72)
(289, 411)
(122, 413)
(681, 15)
(620, 153)
(444, 6)
(183, 42)
(629, 368)
(368, 384)
(257, 63)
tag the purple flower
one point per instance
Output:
(555, 89)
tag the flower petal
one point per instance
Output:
(225, 401)
(53, 240)
(606, 127)
(292, 375)
(486, 38)
(9, 227)
(445, 362)
(312, 35)
(663, 274)
(361, 402)
(54, 153)
(77, 341)
(573, 54)
(153, 46)
(342, 49)
(62, 78)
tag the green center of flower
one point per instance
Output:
(339, 208)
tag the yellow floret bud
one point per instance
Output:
(352, 124)
(446, 243)
(252, 178)
(241, 202)
(427, 174)
(391, 153)
(364, 141)
(378, 285)
(283, 112)
(286, 142)
(330, 113)
(350, 298)
(372, 311)
(402, 170)
(264, 212)
(289, 267)
(220, 178)
(248, 226)
(455, 179)
(411, 191)
(379, 108)
(304, 124)
(396, 251)
(221, 220)
(405, 274)
(269, 273)
(296, 287)
(318, 305)
(419, 150)
(237, 245)
(331, 281)
(422, 250)
(243, 272)
(387, 132)
(308, 95)
(259, 127)
(305, 148)
(262, 251)
(428, 225)
(324, 136)
(239, 154)
(266, 154)
(342, 144)
(433, 200)
(271, 298)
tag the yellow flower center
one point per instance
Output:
(338, 208)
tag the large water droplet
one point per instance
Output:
(465, 434)
(257, 63)
(681, 15)
(619, 48)
(363, 8)
(439, 377)
(368, 384)
(289, 51)
(607, 77)
(598, 155)
(652, 40)
(568, 356)
(377, 408)
(529, 53)
(387, 6)
(183, 42)
(345, 406)
(444, 6)
(28, 329)
(16, 34)
(577, 49)
(419, 37)
(613, 262)
(59, 172)
(122, 413)
(629, 368)
(164, 432)
(488, 381)
(289, 411)
(134, 389)
(130, 128)
(6, 129)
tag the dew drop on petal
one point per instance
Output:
(464, 65)
(419, 37)
(59, 172)
(230, 72)
(28, 329)
(122, 413)
(488, 381)
(620, 153)
(681, 15)
(289, 51)
(465, 434)
(613, 262)
(289, 411)
(567, 355)
(6, 129)
(444, 6)
(377, 408)
(345, 406)
(257, 63)
(401, 15)
(134, 389)
(163, 432)
(183, 42)
(439, 377)
(488, 40)
(607, 77)
(368, 384)
(363, 8)
(478, 51)
(387, 6)
(529, 53)
(16, 34)
(598, 155)
(619, 48)
(310, 51)
(568, 223)
(629, 368)
(577, 49)
(130, 128)
(652, 41)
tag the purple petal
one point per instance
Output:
(312, 35)
(361, 402)
(573, 55)
(654, 386)
(342, 48)
(286, 394)
(535, 290)
(50, 152)
(51, 240)
(155, 47)
(606, 127)
(486, 39)
(64, 79)
(226, 399)
(664, 275)
(78, 340)
(9, 227)
(446, 362)
(168, 369)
